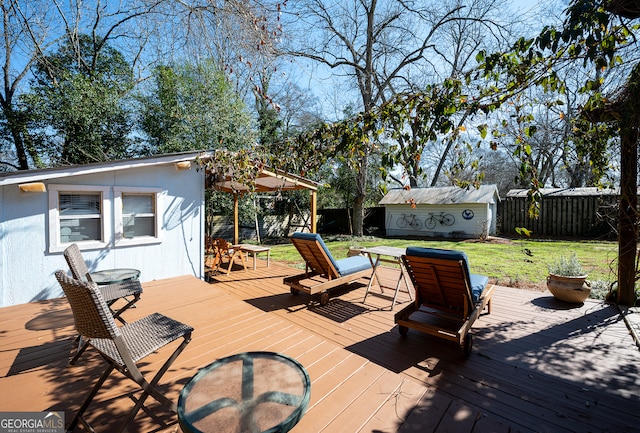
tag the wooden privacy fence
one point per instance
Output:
(338, 221)
(562, 215)
(584, 213)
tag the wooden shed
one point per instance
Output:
(441, 212)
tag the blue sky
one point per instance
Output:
(334, 94)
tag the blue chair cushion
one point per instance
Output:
(353, 264)
(477, 282)
(343, 266)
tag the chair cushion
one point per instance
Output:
(316, 237)
(353, 264)
(477, 282)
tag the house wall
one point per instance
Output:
(479, 221)
(27, 264)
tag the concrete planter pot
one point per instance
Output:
(569, 289)
(355, 251)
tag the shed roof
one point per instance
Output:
(566, 192)
(442, 195)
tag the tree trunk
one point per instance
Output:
(358, 216)
(15, 126)
(360, 196)
(628, 216)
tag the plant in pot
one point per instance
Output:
(355, 251)
(567, 280)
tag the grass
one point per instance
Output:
(515, 263)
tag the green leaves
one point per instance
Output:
(193, 107)
(482, 129)
(529, 131)
(78, 111)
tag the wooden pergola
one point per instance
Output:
(269, 180)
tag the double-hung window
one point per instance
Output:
(78, 214)
(97, 217)
(136, 215)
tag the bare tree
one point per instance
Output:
(381, 47)
(299, 109)
(21, 46)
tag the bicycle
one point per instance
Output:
(409, 220)
(446, 219)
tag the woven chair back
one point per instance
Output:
(91, 315)
(76, 262)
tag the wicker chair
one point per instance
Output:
(128, 291)
(122, 347)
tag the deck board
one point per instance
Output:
(537, 366)
(505, 383)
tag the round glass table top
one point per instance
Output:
(114, 276)
(245, 393)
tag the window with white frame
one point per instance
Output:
(82, 214)
(78, 214)
(136, 215)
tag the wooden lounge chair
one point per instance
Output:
(322, 271)
(448, 297)
(122, 347)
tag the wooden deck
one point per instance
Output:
(537, 366)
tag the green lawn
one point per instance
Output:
(509, 262)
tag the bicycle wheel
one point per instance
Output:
(430, 222)
(402, 222)
(448, 219)
(416, 224)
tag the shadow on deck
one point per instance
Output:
(537, 365)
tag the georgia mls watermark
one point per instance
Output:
(32, 422)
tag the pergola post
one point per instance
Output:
(236, 231)
(314, 210)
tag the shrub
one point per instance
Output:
(567, 267)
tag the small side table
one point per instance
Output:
(249, 392)
(253, 250)
(388, 255)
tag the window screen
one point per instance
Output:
(138, 215)
(80, 216)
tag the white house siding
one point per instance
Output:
(472, 226)
(27, 265)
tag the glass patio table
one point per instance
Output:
(248, 393)
(114, 276)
